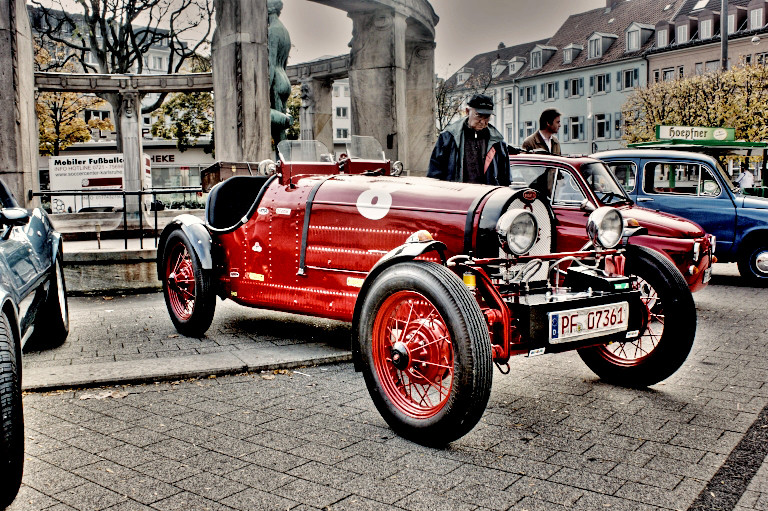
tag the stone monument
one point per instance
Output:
(279, 43)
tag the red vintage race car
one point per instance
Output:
(575, 186)
(440, 280)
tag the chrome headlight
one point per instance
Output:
(605, 227)
(267, 167)
(517, 230)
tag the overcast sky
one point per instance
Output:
(466, 27)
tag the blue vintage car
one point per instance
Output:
(33, 314)
(695, 186)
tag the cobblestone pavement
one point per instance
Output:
(553, 437)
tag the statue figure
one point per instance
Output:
(279, 42)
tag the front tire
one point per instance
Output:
(426, 352)
(11, 415)
(753, 264)
(187, 287)
(669, 326)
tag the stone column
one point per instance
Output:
(377, 80)
(420, 104)
(240, 59)
(130, 128)
(316, 112)
(18, 123)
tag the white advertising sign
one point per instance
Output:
(91, 172)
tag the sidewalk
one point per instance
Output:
(130, 339)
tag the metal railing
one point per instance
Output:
(140, 194)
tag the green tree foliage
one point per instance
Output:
(187, 116)
(737, 98)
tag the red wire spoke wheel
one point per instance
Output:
(413, 354)
(667, 330)
(179, 275)
(187, 287)
(425, 352)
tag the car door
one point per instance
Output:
(692, 190)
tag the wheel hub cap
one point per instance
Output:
(761, 262)
(400, 356)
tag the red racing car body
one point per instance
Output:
(439, 280)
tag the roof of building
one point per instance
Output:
(481, 63)
(578, 28)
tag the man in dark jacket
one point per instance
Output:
(470, 150)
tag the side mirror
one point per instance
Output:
(587, 206)
(14, 216)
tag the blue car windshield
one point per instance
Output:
(726, 178)
(604, 184)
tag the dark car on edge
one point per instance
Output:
(34, 315)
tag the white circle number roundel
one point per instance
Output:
(374, 204)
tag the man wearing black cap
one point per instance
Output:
(470, 150)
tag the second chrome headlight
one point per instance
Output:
(605, 227)
(518, 230)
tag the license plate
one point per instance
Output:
(575, 324)
(707, 275)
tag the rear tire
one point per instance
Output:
(669, 326)
(52, 322)
(426, 352)
(11, 415)
(187, 287)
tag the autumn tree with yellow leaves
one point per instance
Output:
(737, 98)
(60, 114)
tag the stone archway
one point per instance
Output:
(391, 74)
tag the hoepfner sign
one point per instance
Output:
(694, 133)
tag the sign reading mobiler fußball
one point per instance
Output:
(89, 173)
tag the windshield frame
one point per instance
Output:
(618, 193)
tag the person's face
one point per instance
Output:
(477, 121)
(554, 126)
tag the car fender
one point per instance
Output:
(406, 252)
(196, 231)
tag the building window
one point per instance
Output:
(336, 92)
(699, 68)
(346, 91)
(661, 38)
(668, 74)
(551, 91)
(628, 79)
(342, 133)
(601, 84)
(529, 94)
(656, 76)
(680, 71)
(712, 66)
(602, 126)
(682, 34)
(567, 56)
(575, 129)
(756, 19)
(595, 50)
(705, 29)
(157, 62)
(747, 59)
(510, 97)
(573, 87)
(535, 60)
(530, 128)
(633, 40)
(342, 112)
(510, 132)
(96, 114)
(731, 23)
